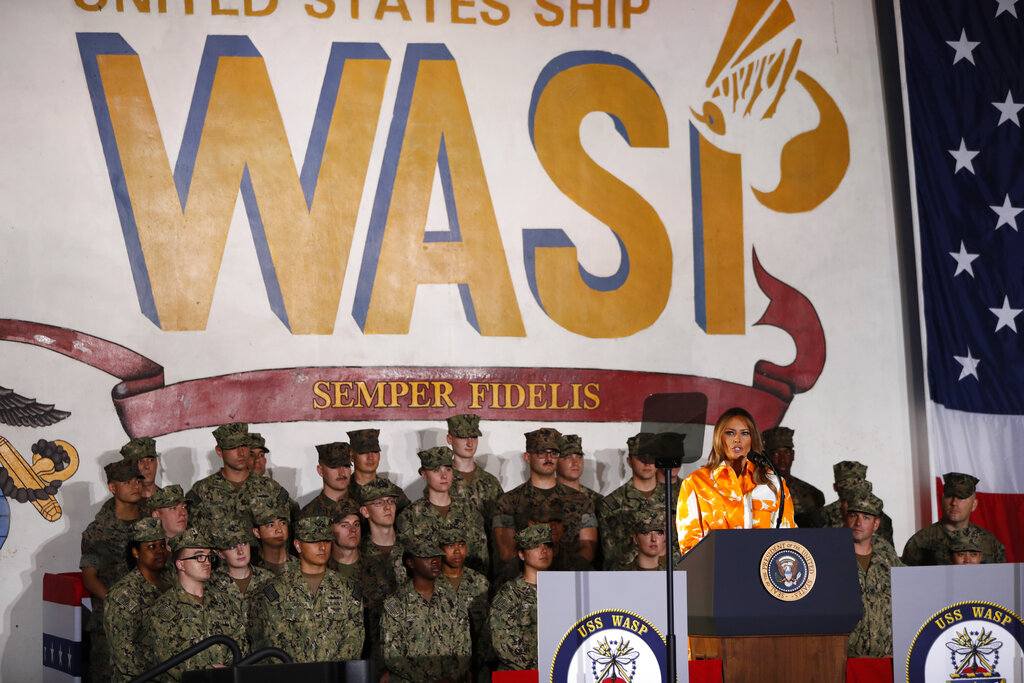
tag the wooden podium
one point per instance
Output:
(749, 603)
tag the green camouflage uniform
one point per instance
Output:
(178, 620)
(214, 498)
(355, 492)
(322, 506)
(103, 548)
(382, 574)
(515, 508)
(617, 514)
(930, 546)
(514, 625)
(808, 502)
(311, 627)
(873, 635)
(122, 622)
(425, 641)
(422, 518)
(850, 488)
(472, 593)
(240, 604)
(483, 492)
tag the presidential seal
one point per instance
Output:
(610, 646)
(788, 571)
(968, 641)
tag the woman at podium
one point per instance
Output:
(735, 489)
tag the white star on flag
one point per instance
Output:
(963, 260)
(1007, 213)
(1006, 6)
(963, 157)
(964, 48)
(1008, 110)
(1005, 315)
(969, 365)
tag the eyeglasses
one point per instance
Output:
(200, 558)
(381, 502)
(547, 454)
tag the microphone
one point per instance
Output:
(762, 461)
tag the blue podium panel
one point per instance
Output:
(958, 623)
(743, 582)
(592, 625)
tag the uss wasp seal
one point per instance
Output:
(967, 641)
(610, 646)
(788, 571)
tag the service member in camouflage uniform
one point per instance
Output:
(472, 589)
(236, 580)
(833, 515)
(188, 613)
(424, 631)
(808, 501)
(381, 554)
(334, 465)
(309, 612)
(872, 636)
(142, 451)
(619, 509)
(270, 526)
(365, 447)
(648, 539)
(471, 481)
(428, 514)
(257, 460)
(230, 491)
(514, 609)
(170, 507)
(346, 531)
(131, 596)
(103, 553)
(930, 545)
(515, 508)
(551, 515)
(570, 466)
(966, 546)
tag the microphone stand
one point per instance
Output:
(670, 603)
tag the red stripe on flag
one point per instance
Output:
(64, 589)
(1000, 513)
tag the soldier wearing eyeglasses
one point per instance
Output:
(188, 613)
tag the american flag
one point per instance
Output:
(964, 70)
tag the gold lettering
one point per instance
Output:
(477, 391)
(502, 16)
(326, 13)
(457, 18)
(554, 398)
(269, 9)
(535, 392)
(419, 394)
(443, 395)
(374, 398)
(94, 7)
(590, 390)
(320, 389)
(398, 390)
(338, 394)
(216, 9)
(520, 393)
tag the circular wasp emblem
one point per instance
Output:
(610, 646)
(967, 641)
(788, 571)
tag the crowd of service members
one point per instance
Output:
(443, 588)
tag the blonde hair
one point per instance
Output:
(717, 455)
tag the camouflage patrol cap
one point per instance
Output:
(192, 537)
(958, 484)
(570, 444)
(343, 509)
(166, 497)
(968, 539)
(364, 440)
(849, 469)
(543, 439)
(378, 488)
(871, 504)
(232, 531)
(256, 440)
(139, 448)
(266, 511)
(647, 520)
(851, 489)
(452, 533)
(633, 442)
(335, 454)
(232, 435)
(777, 437)
(464, 426)
(533, 536)
(433, 458)
(423, 545)
(313, 529)
(122, 470)
(146, 529)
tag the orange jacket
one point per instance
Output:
(721, 500)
